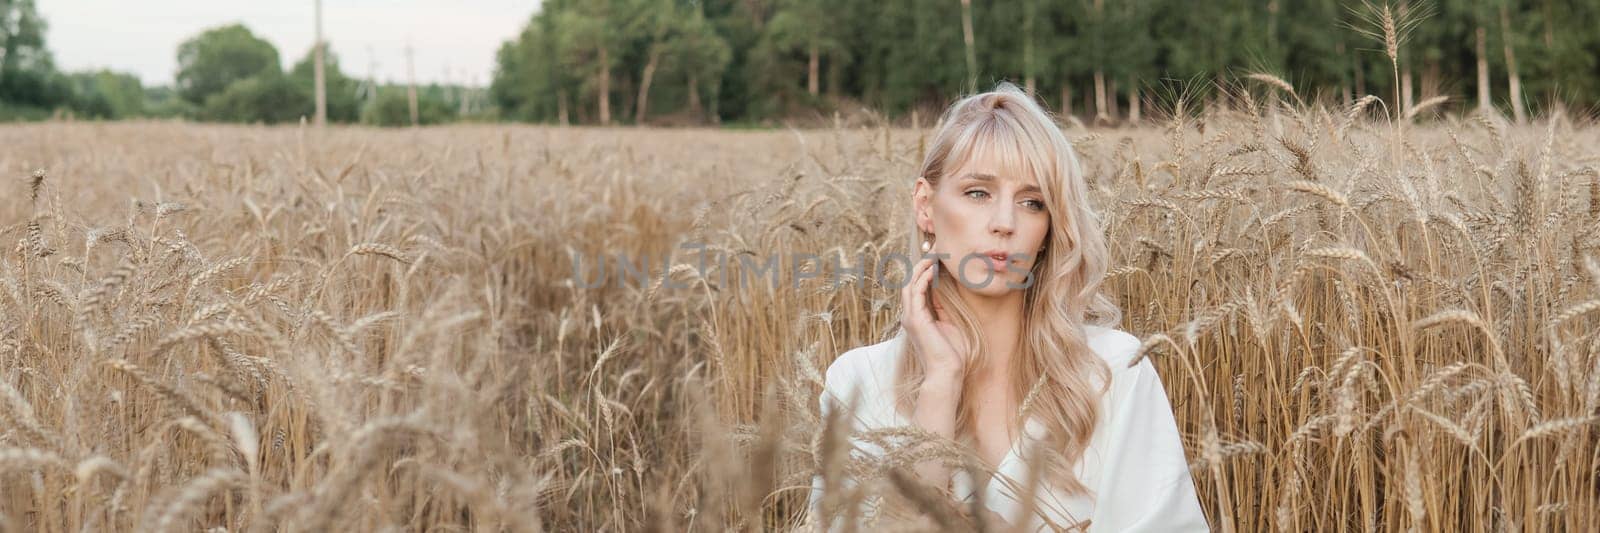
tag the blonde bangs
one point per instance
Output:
(1004, 137)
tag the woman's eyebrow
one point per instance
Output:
(978, 176)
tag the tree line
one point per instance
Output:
(755, 61)
(668, 61)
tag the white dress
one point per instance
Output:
(1134, 465)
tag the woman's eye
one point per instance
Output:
(1035, 205)
(977, 191)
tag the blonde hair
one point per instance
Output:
(1065, 292)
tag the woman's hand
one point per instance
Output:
(937, 341)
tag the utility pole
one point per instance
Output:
(321, 82)
(444, 87)
(371, 92)
(411, 85)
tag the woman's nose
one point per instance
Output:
(1001, 221)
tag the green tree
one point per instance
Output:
(22, 35)
(208, 63)
(739, 22)
(588, 43)
(393, 108)
(527, 84)
(1562, 50)
(921, 75)
(268, 98)
(701, 56)
(28, 78)
(1209, 43)
(1313, 46)
(343, 104)
(162, 101)
(1131, 51)
(652, 22)
(805, 28)
(107, 94)
(677, 42)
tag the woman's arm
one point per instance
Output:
(936, 413)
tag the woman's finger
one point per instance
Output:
(905, 297)
(907, 292)
(930, 304)
(918, 303)
(938, 306)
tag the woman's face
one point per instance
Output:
(977, 211)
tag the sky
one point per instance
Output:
(454, 41)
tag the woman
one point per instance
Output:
(1002, 322)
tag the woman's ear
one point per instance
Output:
(922, 204)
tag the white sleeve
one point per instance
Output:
(1144, 483)
(839, 386)
(814, 504)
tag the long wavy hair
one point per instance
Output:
(1056, 377)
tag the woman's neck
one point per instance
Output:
(1000, 319)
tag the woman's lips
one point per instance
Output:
(997, 262)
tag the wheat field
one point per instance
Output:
(1362, 326)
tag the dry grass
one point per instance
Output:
(262, 329)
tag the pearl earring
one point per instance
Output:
(927, 246)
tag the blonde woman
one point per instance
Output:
(1007, 346)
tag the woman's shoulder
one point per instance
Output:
(864, 375)
(868, 363)
(1116, 347)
